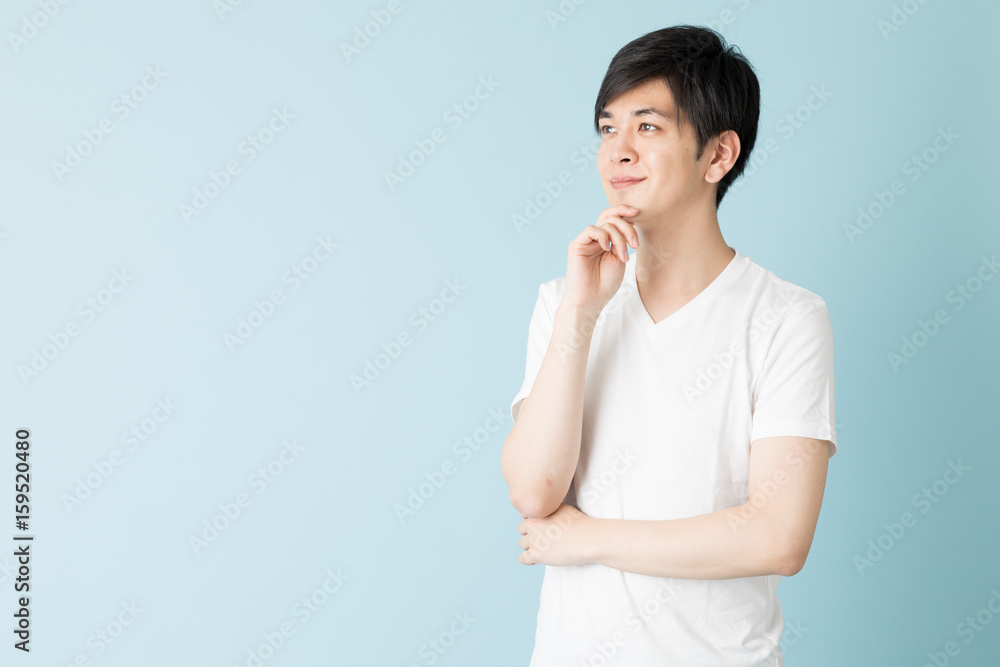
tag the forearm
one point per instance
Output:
(719, 545)
(541, 452)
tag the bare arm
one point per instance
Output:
(541, 452)
(771, 533)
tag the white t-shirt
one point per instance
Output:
(669, 412)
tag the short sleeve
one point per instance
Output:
(794, 392)
(539, 333)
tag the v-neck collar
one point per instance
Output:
(737, 265)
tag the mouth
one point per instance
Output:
(622, 183)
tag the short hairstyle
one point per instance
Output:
(713, 85)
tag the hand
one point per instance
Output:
(596, 259)
(561, 538)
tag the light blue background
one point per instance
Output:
(332, 507)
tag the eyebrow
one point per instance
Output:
(644, 111)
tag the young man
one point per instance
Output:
(671, 437)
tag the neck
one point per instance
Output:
(678, 256)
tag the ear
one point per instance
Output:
(725, 150)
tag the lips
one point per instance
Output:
(622, 182)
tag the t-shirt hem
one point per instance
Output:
(817, 430)
(515, 406)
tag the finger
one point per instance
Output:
(521, 528)
(587, 242)
(624, 226)
(617, 239)
(593, 233)
(623, 210)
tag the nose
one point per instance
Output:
(622, 150)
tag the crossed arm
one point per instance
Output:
(769, 534)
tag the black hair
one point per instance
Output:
(713, 85)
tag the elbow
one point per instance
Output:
(533, 507)
(781, 546)
(533, 500)
(790, 562)
(783, 550)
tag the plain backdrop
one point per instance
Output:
(299, 281)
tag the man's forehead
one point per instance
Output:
(652, 98)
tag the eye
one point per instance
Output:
(606, 127)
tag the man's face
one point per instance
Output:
(649, 146)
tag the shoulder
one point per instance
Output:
(772, 297)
